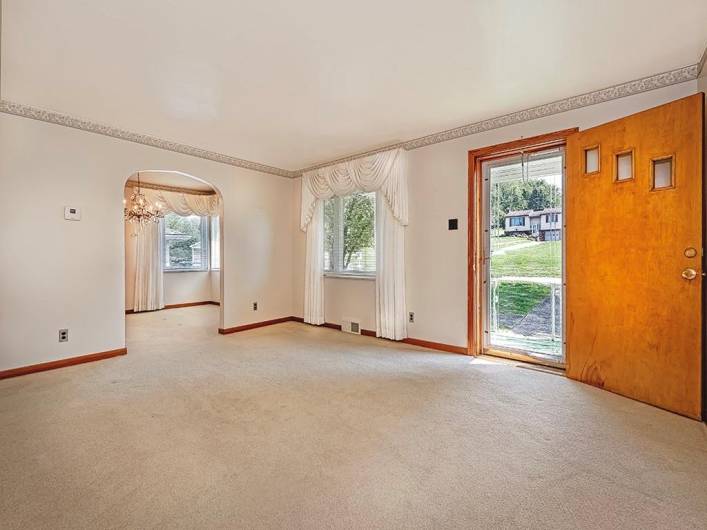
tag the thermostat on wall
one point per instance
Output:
(72, 214)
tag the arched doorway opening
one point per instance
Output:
(176, 262)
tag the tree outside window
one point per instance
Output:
(349, 234)
(185, 243)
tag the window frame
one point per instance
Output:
(653, 163)
(204, 229)
(584, 159)
(617, 155)
(214, 219)
(337, 263)
(477, 253)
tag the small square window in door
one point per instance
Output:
(663, 173)
(591, 160)
(623, 166)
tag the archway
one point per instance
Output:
(190, 238)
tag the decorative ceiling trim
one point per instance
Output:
(701, 67)
(57, 118)
(644, 84)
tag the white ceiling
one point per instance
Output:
(294, 83)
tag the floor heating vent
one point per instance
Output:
(351, 326)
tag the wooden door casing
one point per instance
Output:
(634, 324)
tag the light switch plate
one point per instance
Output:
(71, 213)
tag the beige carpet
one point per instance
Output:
(293, 426)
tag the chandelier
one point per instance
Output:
(140, 210)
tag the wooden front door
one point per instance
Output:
(634, 256)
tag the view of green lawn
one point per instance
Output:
(543, 259)
(531, 259)
(499, 242)
(520, 298)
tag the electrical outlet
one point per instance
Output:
(255, 306)
(411, 317)
(63, 335)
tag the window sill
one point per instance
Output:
(350, 276)
(184, 270)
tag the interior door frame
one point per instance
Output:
(476, 227)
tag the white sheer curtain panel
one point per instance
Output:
(149, 284)
(314, 268)
(386, 174)
(391, 311)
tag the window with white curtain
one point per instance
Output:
(185, 243)
(350, 235)
(215, 238)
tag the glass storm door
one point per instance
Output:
(522, 294)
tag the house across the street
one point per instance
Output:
(546, 224)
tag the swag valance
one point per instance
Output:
(382, 172)
(185, 203)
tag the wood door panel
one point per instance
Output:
(634, 324)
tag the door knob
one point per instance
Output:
(689, 274)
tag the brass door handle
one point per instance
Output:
(689, 274)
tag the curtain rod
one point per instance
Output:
(164, 187)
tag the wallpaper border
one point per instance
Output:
(638, 86)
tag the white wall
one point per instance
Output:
(215, 279)
(62, 274)
(353, 299)
(436, 258)
(184, 287)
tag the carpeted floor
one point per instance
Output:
(293, 426)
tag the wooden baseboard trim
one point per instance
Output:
(190, 304)
(415, 342)
(436, 346)
(367, 332)
(176, 306)
(246, 327)
(61, 363)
